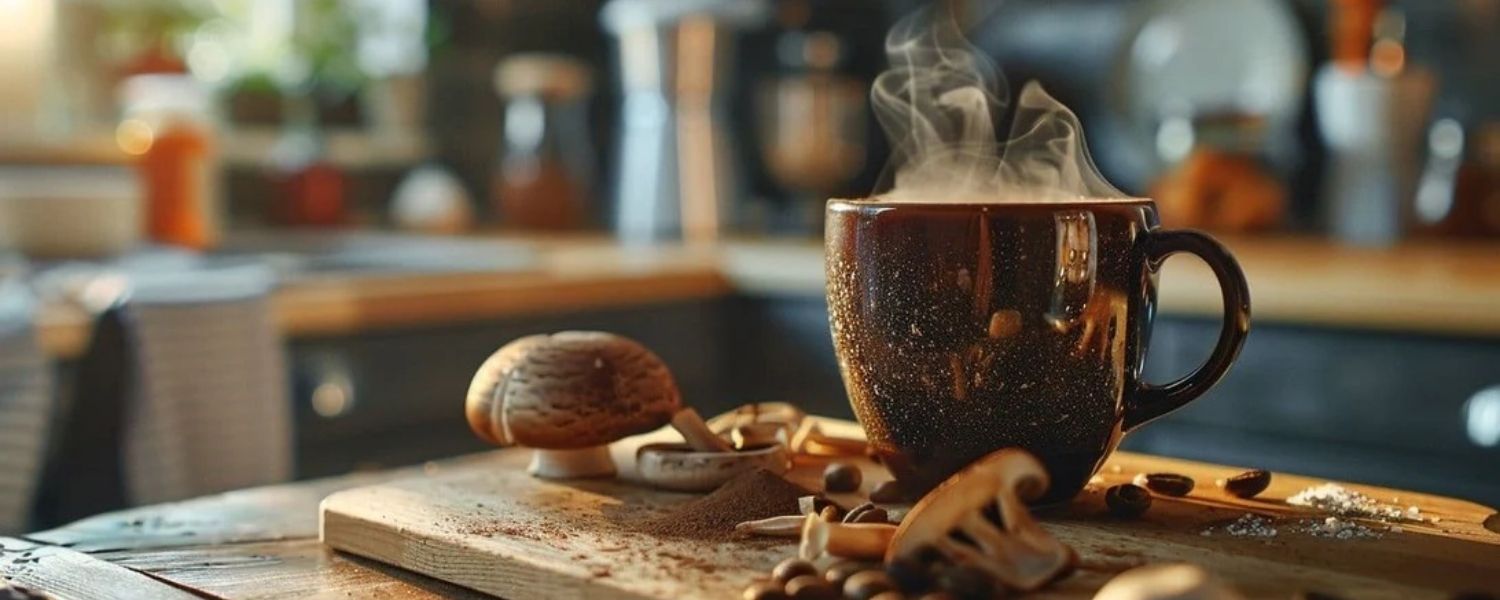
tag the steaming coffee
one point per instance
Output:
(964, 328)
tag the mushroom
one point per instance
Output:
(568, 395)
(781, 526)
(810, 439)
(759, 423)
(865, 541)
(951, 519)
(683, 468)
(1180, 581)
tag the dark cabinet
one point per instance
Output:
(1400, 410)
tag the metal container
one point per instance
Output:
(676, 175)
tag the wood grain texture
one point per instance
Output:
(67, 574)
(491, 527)
(301, 568)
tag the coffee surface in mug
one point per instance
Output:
(963, 328)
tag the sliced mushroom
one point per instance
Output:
(779, 413)
(696, 432)
(810, 439)
(681, 467)
(866, 541)
(758, 424)
(1179, 581)
(951, 519)
(568, 395)
(782, 526)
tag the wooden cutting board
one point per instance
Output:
(491, 527)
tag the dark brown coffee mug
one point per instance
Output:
(964, 328)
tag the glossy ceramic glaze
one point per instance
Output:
(964, 328)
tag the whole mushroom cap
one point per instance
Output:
(570, 390)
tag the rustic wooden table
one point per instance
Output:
(263, 543)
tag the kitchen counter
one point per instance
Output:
(264, 542)
(1449, 289)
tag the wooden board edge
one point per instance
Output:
(422, 554)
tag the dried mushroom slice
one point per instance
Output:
(955, 520)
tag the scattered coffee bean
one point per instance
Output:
(811, 505)
(865, 585)
(1127, 501)
(967, 583)
(909, 574)
(841, 477)
(764, 590)
(810, 587)
(1166, 484)
(887, 492)
(839, 572)
(1311, 595)
(867, 513)
(791, 568)
(855, 512)
(1247, 484)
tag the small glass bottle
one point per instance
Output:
(309, 187)
(546, 158)
(167, 125)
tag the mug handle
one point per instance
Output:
(1152, 401)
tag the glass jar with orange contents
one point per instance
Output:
(167, 126)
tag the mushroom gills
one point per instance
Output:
(954, 520)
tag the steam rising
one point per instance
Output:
(937, 104)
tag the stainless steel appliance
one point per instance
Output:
(675, 174)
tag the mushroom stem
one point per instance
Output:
(783, 526)
(810, 439)
(696, 432)
(593, 461)
(866, 541)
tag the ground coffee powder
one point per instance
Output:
(753, 495)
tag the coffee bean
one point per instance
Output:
(811, 505)
(1247, 484)
(839, 572)
(1166, 484)
(867, 513)
(810, 587)
(887, 492)
(967, 583)
(865, 585)
(909, 574)
(1127, 501)
(791, 568)
(1311, 595)
(764, 590)
(841, 477)
(855, 512)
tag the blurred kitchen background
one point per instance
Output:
(250, 241)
